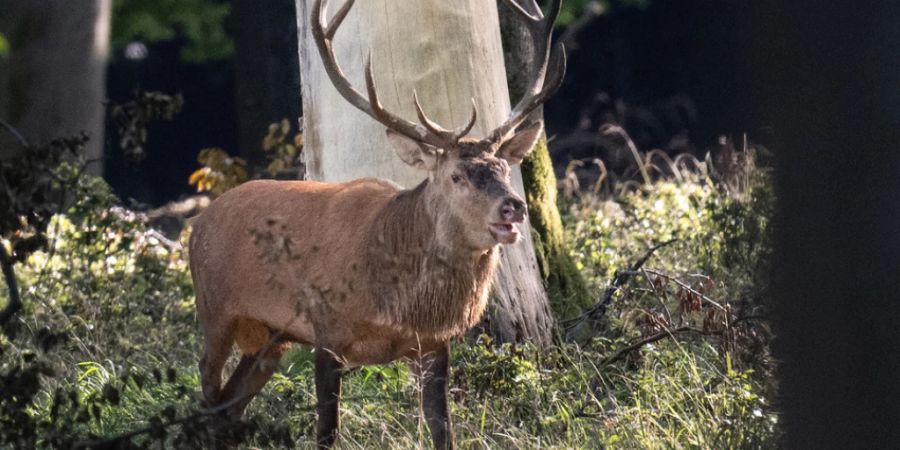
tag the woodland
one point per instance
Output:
(709, 258)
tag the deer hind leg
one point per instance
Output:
(329, 371)
(262, 353)
(218, 346)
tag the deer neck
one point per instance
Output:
(417, 221)
(420, 280)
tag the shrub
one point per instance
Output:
(110, 345)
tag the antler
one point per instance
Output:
(428, 132)
(544, 83)
(449, 135)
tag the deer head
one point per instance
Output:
(468, 184)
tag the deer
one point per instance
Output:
(364, 271)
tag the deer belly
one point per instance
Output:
(288, 323)
(382, 347)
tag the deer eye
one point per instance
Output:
(456, 178)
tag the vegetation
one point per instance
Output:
(4, 45)
(200, 23)
(565, 285)
(675, 356)
(572, 9)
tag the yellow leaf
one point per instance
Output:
(198, 175)
(268, 142)
(276, 166)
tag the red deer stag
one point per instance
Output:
(363, 271)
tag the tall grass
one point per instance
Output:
(122, 294)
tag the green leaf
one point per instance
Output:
(4, 45)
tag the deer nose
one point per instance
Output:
(512, 209)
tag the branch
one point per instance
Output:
(15, 303)
(592, 10)
(274, 339)
(653, 338)
(14, 132)
(686, 287)
(594, 313)
(112, 442)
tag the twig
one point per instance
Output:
(660, 295)
(610, 129)
(653, 338)
(120, 438)
(594, 313)
(592, 10)
(9, 273)
(14, 132)
(686, 287)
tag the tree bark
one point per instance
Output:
(828, 81)
(55, 74)
(267, 74)
(449, 52)
(565, 285)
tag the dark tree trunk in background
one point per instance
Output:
(267, 74)
(833, 95)
(54, 78)
(564, 283)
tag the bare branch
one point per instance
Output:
(591, 11)
(14, 132)
(686, 287)
(618, 354)
(595, 313)
(9, 274)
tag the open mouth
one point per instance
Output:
(505, 233)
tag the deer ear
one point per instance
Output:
(412, 152)
(516, 148)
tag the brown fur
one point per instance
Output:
(419, 284)
(336, 265)
(364, 271)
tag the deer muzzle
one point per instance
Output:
(512, 213)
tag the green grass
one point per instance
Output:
(123, 297)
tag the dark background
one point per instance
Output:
(669, 72)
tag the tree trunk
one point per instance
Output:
(55, 73)
(567, 289)
(267, 75)
(449, 53)
(831, 78)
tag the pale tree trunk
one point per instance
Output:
(449, 52)
(55, 74)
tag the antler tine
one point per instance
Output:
(322, 34)
(542, 85)
(338, 18)
(435, 139)
(551, 84)
(466, 129)
(525, 14)
(329, 61)
(451, 136)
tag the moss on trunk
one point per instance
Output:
(565, 285)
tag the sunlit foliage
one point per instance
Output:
(201, 23)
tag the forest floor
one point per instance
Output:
(676, 356)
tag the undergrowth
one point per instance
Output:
(679, 359)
